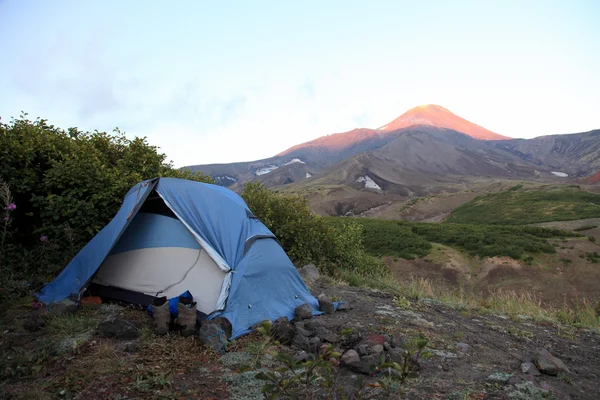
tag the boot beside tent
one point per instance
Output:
(173, 235)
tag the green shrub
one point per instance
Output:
(411, 239)
(592, 239)
(307, 237)
(522, 207)
(66, 186)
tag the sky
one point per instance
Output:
(218, 82)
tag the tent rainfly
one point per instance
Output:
(174, 235)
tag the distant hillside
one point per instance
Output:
(577, 155)
(519, 207)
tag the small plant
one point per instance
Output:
(300, 380)
(592, 239)
(402, 302)
(415, 350)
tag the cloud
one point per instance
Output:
(65, 76)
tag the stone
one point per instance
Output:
(351, 359)
(313, 324)
(462, 347)
(213, 336)
(547, 364)
(282, 331)
(372, 340)
(350, 340)
(387, 346)
(300, 342)
(326, 335)
(325, 304)
(224, 323)
(304, 332)
(396, 355)
(376, 349)
(386, 338)
(528, 368)
(303, 312)
(309, 273)
(63, 307)
(370, 363)
(343, 306)
(396, 342)
(304, 356)
(118, 328)
(314, 345)
(128, 347)
(363, 349)
(34, 322)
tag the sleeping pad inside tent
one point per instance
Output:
(173, 235)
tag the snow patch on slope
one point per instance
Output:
(561, 174)
(295, 160)
(266, 170)
(273, 167)
(308, 175)
(369, 183)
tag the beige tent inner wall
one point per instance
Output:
(170, 270)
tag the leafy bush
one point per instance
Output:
(410, 239)
(309, 238)
(66, 186)
(522, 207)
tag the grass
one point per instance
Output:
(585, 228)
(517, 206)
(412, 240)
(581, 314)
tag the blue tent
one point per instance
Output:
(171, 236)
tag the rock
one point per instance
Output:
(462, 347)
(343, 306)
(304, 332)
(370, 363)
(351, 359)
(377, 349)
(546, 363)
(372, 340)
(309, 273)
(386, 338)
(314, 345)
(224, 324)
(363, 349)
(128, 347)
(326, 335)
(396, 355)
(300, 342)
(118, 328)
(529, 368)
(350, 340)
(396, 342)
(33, 322)
(63, 307)
(304, 356)
(325, 304)
(387, 346)
(282, 331)
(313, 324)
(213, 336)
(303, 312)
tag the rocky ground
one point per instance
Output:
(110, 352)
